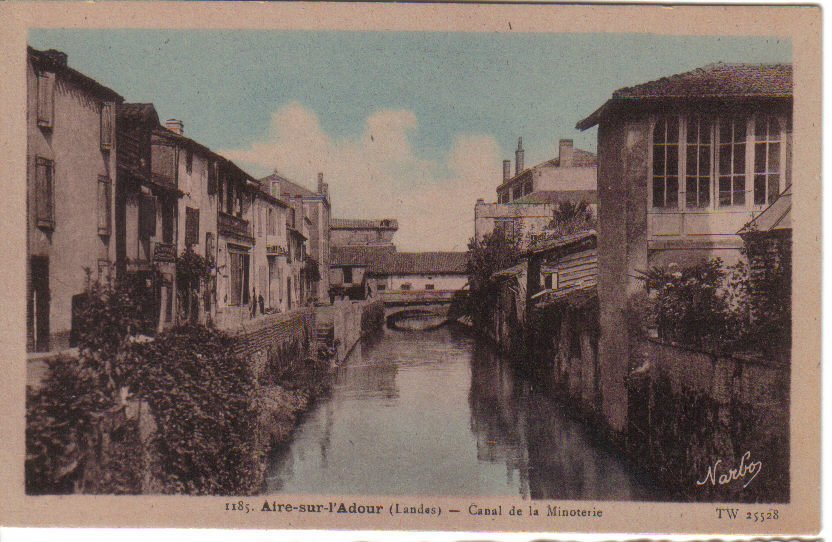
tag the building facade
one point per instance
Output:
(316, 207)
(526, 201)
(70, 174)
(685, 162)
(363, 232)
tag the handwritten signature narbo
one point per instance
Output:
(745, 468)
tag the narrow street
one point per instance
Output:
(439, 412)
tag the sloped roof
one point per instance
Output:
(719, 80)
(364, 224)
(557, 196)
(580, 158)
(57, 61)
(513, 271)
(563, 241)
(140, 113)
(372, 256)
(288, 187)
(777, 216)
(423, 263)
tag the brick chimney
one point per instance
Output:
(175, 126)
(565, 153)
(506, 170)
(518, 156)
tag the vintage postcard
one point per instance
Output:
(477, 267)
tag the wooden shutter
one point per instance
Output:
(104, 197)
(191, 226)
(212, 178)
(107, 126)
(46, 99)
(147, 216)
(44, 193)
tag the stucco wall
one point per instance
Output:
(73, 144)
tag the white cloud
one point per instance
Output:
(377, 175)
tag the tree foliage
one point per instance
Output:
(497, 250)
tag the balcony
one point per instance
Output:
(234, 227)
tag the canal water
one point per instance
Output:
(440, 413)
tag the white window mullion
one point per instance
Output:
(750, 142)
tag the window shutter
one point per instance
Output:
(147, 216)
(46, 99)
(44, 193)
(212, 178)
(107, 125)
(191, 226)
(104, 187)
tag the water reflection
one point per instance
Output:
(437, 412)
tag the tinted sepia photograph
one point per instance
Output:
(552, 268)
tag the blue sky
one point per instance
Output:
(410, 125)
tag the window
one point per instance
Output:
(212, 180)
(147, 216)
(46, 99)
(107, 126)
(527, 188)
(191, 226)
(666, 162)
(517, 192)
(348, 275)
(722, 155)
(550, 281)
(272, 223)
(104, 190)
(189, 161)
(428, 286)
(405, 286)
(45, 193)
(732, 161)
(698, 166)
(766, 159)
(239, 278)
(381, 286)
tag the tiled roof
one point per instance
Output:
(385, 260)
(777, 216)
(557, 196)
(718, 80)
(423, 263)
(358, 223)
(362, 256)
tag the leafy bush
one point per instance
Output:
(688, 306)
(192, 271)
(497, 250)
(202, 397)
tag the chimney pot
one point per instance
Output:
(518, 156)
(175, 125)
(566, 153)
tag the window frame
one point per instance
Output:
(715, 118)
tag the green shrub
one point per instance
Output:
(202, 397)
